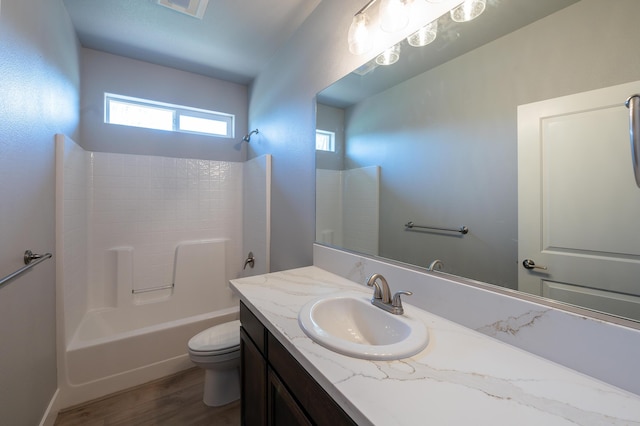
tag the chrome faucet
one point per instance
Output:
(382, 295)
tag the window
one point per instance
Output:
(128, 111)
(325, 140)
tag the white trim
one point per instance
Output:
(176, 110)
(51, 413)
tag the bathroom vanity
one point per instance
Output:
(271, 377)
(461, 377)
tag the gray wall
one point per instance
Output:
(282, 106)
(39, 83)
(103, 72)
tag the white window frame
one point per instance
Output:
(177, 111)
(332, 140)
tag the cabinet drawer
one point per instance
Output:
(253, 328)
(316, 402)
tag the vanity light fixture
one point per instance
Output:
(360, 41)
(468, 10)
(394, 15)
(389, 56)
(424, 35)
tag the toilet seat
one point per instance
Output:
(218, 340)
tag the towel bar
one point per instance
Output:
(30, 260)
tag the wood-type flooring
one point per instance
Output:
(174, 400)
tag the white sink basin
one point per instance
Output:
(349, 324)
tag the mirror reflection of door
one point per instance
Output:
(578, 205)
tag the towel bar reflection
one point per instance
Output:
(147, 290)
(30, 260)
(463, 229)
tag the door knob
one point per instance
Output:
(530, 264)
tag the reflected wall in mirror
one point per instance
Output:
(440, 130)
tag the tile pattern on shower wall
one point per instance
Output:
(152, 204)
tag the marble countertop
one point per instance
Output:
(462, 376)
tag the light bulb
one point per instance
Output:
(424, 35)
(468, 10)
(394, 15)
(389, 56)
(359, 39)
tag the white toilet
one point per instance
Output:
(217, 350)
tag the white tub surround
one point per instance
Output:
(461, 377)
(145, 247)
(348, 208)
(145, 336)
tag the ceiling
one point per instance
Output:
(233, 40)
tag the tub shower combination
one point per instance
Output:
(145, 248)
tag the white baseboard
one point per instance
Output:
(49, 417)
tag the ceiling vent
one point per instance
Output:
(195, 8)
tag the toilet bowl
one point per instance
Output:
(217, 351)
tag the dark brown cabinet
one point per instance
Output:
(253, 376)
(276, 389)
(282, 406)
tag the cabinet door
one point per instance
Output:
(283, 410)
(316, 402)
(253, 375)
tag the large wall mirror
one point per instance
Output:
(512, 125)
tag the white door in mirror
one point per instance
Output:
(578, 204)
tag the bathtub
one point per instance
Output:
(144, 337)
(103, 348)
(104, 357)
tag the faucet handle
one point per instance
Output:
(397, 302)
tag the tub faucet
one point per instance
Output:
(382, 295)
(436, 265)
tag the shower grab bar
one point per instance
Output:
(30, 260)
(147, 290)
(633, 103)
(463, 229)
